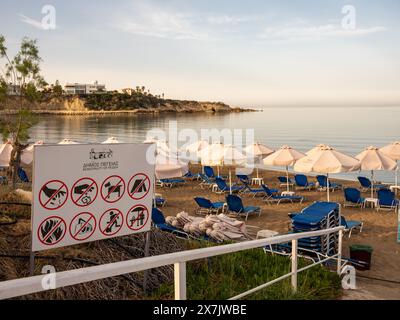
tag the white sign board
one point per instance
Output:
(84, 193)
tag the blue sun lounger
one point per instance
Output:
(353, 198)
(387, 200)
(351, 225)
(170, 183)
(235, 206)
(271, 197)
(302, 182)
(223, 187)
(160, 223)
(208, 207)
(22, 175)
(284, 181)
(366, 184)
(323, 184)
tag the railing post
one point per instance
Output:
(340, 252)
(180, 280)
(294, 265)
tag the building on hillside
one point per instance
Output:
(79, 88)
(128, 91)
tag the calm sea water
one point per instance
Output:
(348, 129)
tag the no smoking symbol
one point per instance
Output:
(113, 189)
(82, 226)
(139, 186)
(51, 231)
(84, 192)
(53, 195)
(137, 217)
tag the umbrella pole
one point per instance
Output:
(328, 186)
(287, 178)
(257, 173)
(372, 183)
(230, 182)
(397, 174)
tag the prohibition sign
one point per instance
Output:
(51, 231)
(111, 222)
(113, 189)
(84, 192)
(139, 186)
(137, 217)
(82, 226)
(53, 195)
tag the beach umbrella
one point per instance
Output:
(111, 140)
(393, 152)
(213, 155)
(196, 148)
(286, 156)
(232, 157)
(374, 160)
(327, 160)
(169, 168)
(257, 152)
(316, 149)
(5, 154)
(68, 141)
(27, 154)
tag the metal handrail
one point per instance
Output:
(25, 286)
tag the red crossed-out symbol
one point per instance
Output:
(139, 186)
(51, 231)
(84, 192)
(111, 222)
(113, 189)
(82, 226)
(53, 195)
(137, 217)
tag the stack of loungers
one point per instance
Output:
(318, 216)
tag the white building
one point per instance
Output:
(78, 88)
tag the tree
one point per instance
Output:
(57, 89)
(22, 74)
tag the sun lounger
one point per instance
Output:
(170, 183)
(302, 182)
(160, 223)
(284, 181)
(353, 198)
(366, 184)
(323, 184)
(160, 201)
(271, 197)
(387, 200)
(208, 207)
(223, 187)
(235, 206)
(251, 191)
(243, 178)
(191, 176)
(22, 175)
(351, 225)
(206, 181)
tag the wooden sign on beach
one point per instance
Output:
(84, 193)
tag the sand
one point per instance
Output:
(380, 229)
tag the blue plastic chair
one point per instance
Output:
(160, 223)
(387, 200)
(351, 225)
(302, 182)
(323, 183)
(271, 197)
(208, 207)
(22, 175)
(366, 184)
(223, 187)
(235, 206)
(353, 198)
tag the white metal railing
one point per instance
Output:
(24, 286)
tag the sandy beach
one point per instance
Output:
(380, 230)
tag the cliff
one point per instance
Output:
(114, 103)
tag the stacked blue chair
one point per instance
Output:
(318, 216)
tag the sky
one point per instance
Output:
(250, 53)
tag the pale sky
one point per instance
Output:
(245, 53)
